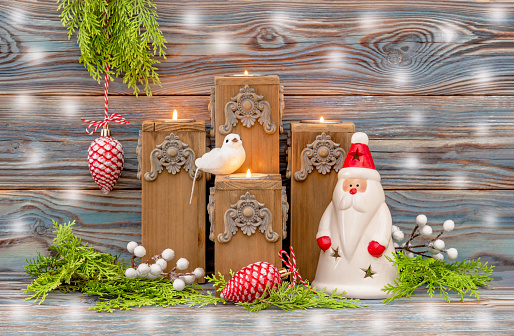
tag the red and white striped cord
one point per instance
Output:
(106, 89)
(291, 266)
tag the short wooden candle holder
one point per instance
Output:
(248, 221)
(167, 155)
(252, 107)
(315, 155)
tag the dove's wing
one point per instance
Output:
(209, 160)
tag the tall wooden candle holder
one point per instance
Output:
(168, 152)
(316, 153)
(252, 107)
(247, 221)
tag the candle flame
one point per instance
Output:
(248, 173)
(175, 116)
(246, 72)
(321, 119)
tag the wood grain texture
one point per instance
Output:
(311, 196)
(483, 220)
(168, 219)
(65, 314)
(242, 249)
(436, 142)
(394, 47)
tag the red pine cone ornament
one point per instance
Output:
(250, 282)
(105, 161)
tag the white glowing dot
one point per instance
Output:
(490, 219)
(18, 17)
(335, 59)
(483, 76)
(401, 77)
(448, 34)
(482, 129)
(72, 194)
(417, 118)
(221, 44)
(368, 20)
(412, 162)
(498, 14)
(69, 107)
(279, 18)
(460, 181)
(191, 18)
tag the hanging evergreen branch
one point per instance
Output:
(128, 43)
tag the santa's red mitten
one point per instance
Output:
(324, 242)
(376, 249)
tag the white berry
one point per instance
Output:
(452, 253)
(188, 279)
(199, 272)
(179, 284)
(448, 225)
(438, 256)
(162, 263)
(131, 273)
(433, 250)
(439, 244)
(395, 228)
(421, 220)
(139, 251)
(168, 254)
(152, 276)
(410, 255)
(398, 235)
(426, 231)
(131, 246)
(155, 269)
(143, 268)
(182, 264)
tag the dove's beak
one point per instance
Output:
(235, 140)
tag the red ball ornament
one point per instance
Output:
(250, 282)
(105, 160)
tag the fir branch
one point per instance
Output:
(292, 298)
(463, 277)
(123, 33)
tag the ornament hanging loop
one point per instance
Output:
(291, 267)
(106, 132)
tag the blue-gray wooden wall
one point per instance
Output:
(431, 82)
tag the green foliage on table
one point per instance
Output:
(76, 267)
(292, 298)
(128, 43)
(463, 278)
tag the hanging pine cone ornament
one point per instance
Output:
(250, 282)
(105, 160)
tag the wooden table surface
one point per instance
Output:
(68, 314)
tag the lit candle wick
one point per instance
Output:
(248, 173)
(321, 119)
(246, 72)
(175, 116)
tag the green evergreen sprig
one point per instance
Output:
(76, 267)
(463, 278)
(123, 33)
(292, 298)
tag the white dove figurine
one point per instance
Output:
(224, 160)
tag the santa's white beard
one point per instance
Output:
(357, 202)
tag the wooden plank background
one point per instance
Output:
(431, 82)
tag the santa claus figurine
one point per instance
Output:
(355, 231)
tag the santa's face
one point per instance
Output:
(355, 185)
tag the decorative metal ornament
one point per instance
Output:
(247, 107)
(285, 213)
(210, 211)
(248, 215)
(324, 154)
(139, 152)
(212, 110)
(173, 154)
(282, 106)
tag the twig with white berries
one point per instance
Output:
(160, 263)
(435, 246)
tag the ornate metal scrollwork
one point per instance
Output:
(248, 106)
(210, 211)
(282, 106)
(173, 154)
(324, 154)
(139, 152)
(285, 213)
(248, 215)
(288, 155)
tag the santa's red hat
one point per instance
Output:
(358, 162)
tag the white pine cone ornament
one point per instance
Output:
(250, 282)
(105, 161)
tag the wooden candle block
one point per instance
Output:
(247, 221)
(168, 152)
(316, 153)
(252, 107)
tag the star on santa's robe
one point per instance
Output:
(356, 155)
(368, 272)
(335, 255)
